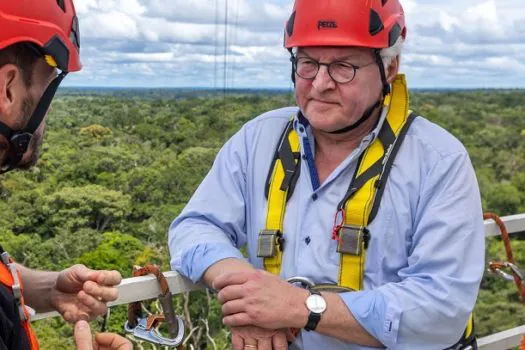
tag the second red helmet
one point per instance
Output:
(51, 25)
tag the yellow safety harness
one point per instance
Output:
(358, 207)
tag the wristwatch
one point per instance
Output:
(316, 304)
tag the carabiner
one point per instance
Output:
(147, 329)
(304, 282)
(495, 267)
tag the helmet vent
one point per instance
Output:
(383, 2)
(290, 24)
(394, 34)
(376, 25)
(62, 5)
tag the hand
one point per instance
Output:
(255, 338)
(103, 341)
(261, 299)
(81, 293)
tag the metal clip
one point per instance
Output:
(495, 267)
(147, 329)
(303, 282)
(5, 258)
(351, 239)
(170, 315)
(17, 291)
(268, 242)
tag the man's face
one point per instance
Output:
(43, 75)
(329, 105)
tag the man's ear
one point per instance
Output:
(392, 70)
(11, 92)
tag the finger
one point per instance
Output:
(264, 344)
(237, 342)
(75, 316)
(233, 307)
(113, 341)
(238, 320)
(251, 344)
(83, 337)
(72, 313)
(105, 278)
(101, 293)
(279, 341)
(93, 306)
(231, 293)
(229, 279)
(80, 272)
(292, 333)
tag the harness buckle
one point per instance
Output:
(351, 239)
(16, 287)
(5, 258)
(268, 242)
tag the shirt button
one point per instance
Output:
(307, 240)
(314, 196)
(301, 129)
(304, 156)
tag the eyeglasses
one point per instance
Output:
(341, 72)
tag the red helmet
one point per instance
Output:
(52, 25)
(365, 23)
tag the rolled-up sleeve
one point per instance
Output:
(212, 225)
(429, 307)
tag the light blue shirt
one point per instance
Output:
(426, 255)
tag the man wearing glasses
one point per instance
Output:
(362, 220)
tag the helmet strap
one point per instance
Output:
(368, 113)
(292, 57)
(19, 140)
(380, 64)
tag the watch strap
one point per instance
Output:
(314, 317)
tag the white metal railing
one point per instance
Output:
(147, 287)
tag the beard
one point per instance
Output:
(30, 157)
(32, 154)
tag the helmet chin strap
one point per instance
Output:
(368, 113)
(19, 140)
(378, 104)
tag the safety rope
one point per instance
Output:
(497, 266)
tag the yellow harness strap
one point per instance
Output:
(272, 236)
(358, 207)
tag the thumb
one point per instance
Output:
(83, 337)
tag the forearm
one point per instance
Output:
(229, 265)
(337, 321)
(37, 288)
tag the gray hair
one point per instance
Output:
(392, 52)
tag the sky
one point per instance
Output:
(181, 43)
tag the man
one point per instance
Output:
(373, 209)
(39, 37)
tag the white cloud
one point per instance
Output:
(181, 43)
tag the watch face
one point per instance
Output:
(316, 303)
